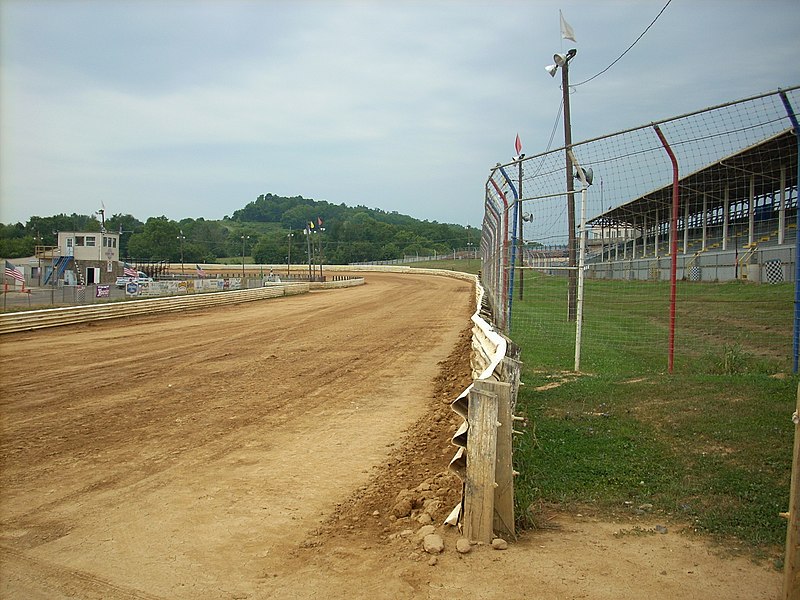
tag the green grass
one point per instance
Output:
(708, 446)
(715, 324)
(235, 260)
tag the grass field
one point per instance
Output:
(466, 265)
(725, 327)
(709, 446)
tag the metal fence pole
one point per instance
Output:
(674, 245)
(581, 262)
(796, 334)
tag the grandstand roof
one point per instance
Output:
(762, 160)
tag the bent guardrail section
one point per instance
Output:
(483, 460)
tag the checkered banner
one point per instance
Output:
(774, 271)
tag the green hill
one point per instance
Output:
(266, 229)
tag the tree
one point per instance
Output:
(124, 225)
(298, 217)
(207, 240)
(15, 242)
(351, 234)
(274, 248)
(158, 240)
(48, 227)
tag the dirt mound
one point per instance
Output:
(416, 474)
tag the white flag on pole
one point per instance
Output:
(566, 30)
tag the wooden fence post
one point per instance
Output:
(791, 579)
(481, 458)
(489, 481)
(503, 509)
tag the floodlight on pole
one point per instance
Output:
(289, 255)
(244, 239)
(181, 237)
(587, 173)
(561, 60)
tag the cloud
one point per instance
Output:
(193, 109)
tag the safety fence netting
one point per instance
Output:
(676, 240)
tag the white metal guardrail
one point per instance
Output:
(55, 317)
(483, 459)
(337, 284)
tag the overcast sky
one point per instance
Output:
(190, 108)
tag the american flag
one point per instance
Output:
(14, 273)
(200, 272)
(129, 271)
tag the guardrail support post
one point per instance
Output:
(503, 519)
(481, 459)
(489, 486)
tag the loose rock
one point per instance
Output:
(432, 506)
(403, 494)
(463, 546)
(425, 530)
(433, 543)
(402, 508)
(499, 544)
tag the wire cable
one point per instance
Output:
(627, 50)
(555, 125)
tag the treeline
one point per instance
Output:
(267, 229)
(159, 238)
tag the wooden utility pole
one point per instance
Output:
(572, 276)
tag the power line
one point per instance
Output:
(628, 49)
(550, 141)
(555, 125)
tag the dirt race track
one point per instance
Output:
(255, 451)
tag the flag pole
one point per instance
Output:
(308, 248)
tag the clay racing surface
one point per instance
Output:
(256, 451)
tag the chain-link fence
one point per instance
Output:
(582, 260)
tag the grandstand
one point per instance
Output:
(738, 215)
